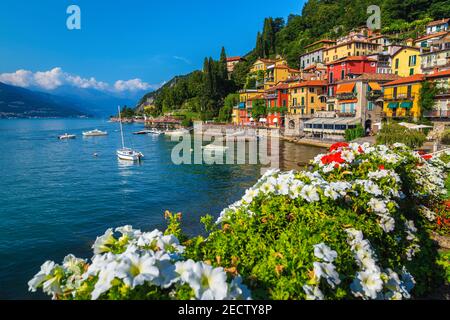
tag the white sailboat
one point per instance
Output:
(127, 154)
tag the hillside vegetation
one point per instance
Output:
(203, 92)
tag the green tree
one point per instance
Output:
(393, 133)
(259, 108)
(226, 111)
(427, 94)
(223, 64)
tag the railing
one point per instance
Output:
(346, 96)
(391, 97)
(272, 96)
(373, 95)
(325, 114)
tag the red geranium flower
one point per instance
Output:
(338, 146)
(381, 167)
(427, 157)
(360, 149)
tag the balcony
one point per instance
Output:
(325, 114)
(390, 97)
(437, 114)
(271, 96)
(346, 96)
(374, 95)
(345, 114)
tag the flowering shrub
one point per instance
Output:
(353, 227)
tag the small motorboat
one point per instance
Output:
(155, 132)
(95, 133)
(142, 132)
(67, 136)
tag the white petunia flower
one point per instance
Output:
(328, 272)
(309, 193)
(378, 206)
(102, 244)
(208, 283)
(135, 270)
(313, 293)
(322, 251)
(46, 271)
(370, 283)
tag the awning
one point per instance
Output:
(275, 120)
(393, 105)
(348, 101)
(375, 86)
(263, 120)
(406, 105)
(345, 88)
(251, 119)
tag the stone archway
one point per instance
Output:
(291, 125)
(368, 126)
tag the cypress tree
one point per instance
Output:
(223, 64)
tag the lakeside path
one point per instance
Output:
(309, 142)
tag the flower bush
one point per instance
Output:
(355, 226)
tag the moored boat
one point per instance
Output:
(95, 133)
(67, 136)
(127, 154)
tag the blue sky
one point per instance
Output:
(128, 39)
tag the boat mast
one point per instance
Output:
(121, 129)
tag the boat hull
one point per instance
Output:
(129, 155)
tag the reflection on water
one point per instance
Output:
(296, 157)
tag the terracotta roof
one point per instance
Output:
(320, 41)
(439, 74)
(352, 58)
(410, 79)
(294, 70)
(438, 22)
(257, 97)
(231, 59)
(266, 60)
(377, 77)
(310, 83)
(430, 36)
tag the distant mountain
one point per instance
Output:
(96, 102)
(23, 103)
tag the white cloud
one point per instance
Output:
(131, 85)
(56, 77)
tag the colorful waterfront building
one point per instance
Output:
(406, 61)
(362, 98)
(441, 109)
(241, 112)
(349, 49)
(438, 26)
(232, 62)
(347, 68)
(438, 57)
(277, 102)
(314, 53)
(279, 72)
(426, 40)
(401, 97)
(261, 65)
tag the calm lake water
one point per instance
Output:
(56, 197)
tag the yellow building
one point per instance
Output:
(261, 65)
(406, 62)
(240, 114)
(401, 97)
(350, 48)
(307, 97)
